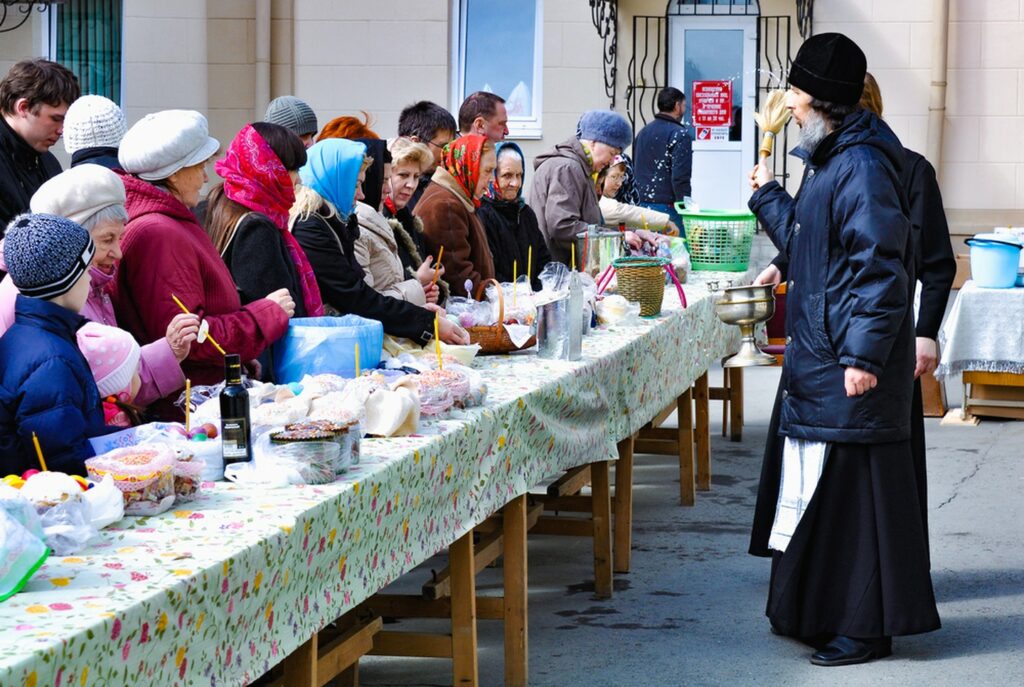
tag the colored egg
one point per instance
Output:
(295, 387)
(210, 430)
(13, 481)
(28, 473)
(199, 436)
(81, 482)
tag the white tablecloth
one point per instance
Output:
(984, 332)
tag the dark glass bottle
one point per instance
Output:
(235, 428)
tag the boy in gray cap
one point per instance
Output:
(295, 115)
(46, 386)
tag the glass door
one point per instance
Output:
(712, 60)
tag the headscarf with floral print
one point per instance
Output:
(461, 158)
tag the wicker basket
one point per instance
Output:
(642, 280)
(493, 339)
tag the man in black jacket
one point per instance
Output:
(841, 519)
(34, 96)
(433, 125)
(663, 156)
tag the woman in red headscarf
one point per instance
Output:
(247, 219)
(248, 216)
(448, 211)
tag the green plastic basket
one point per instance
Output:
(718, 240)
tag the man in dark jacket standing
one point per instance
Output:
(663, 156)
(433, 125)
(34, 96)
(849, 552)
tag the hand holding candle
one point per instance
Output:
(437, 265)
(188, 312)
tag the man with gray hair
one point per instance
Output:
(837, 508)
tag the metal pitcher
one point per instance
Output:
(597, 248)
(554, 339)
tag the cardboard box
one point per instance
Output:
(963, 270)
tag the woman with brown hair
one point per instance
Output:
(248, 216)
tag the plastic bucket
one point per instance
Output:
(994, 260)
(315, 345)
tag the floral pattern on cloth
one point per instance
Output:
(255, 177)
(220, 589)
(461, 158)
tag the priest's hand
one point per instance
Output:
(859, 381)
(761, 175)
(927, 356)
(769, 275)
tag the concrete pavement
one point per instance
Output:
(692, 610)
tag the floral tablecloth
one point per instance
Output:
(222, 588)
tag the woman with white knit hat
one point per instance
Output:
(167, 255)
(93, 129)
(93, 196)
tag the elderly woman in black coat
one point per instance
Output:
(510, 223)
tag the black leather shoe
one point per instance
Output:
(847, 651)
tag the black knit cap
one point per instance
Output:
(830, 67)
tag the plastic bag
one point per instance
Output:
(614, 309)
(22, 550)
(555, 278)
(278, 465)
(67, 528)
(316, 345)
(142, 474)
(106, 506)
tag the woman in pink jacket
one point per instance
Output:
(94, 197)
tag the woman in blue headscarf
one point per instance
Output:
(510, 224)
(324, 223)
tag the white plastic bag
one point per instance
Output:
(106, 505)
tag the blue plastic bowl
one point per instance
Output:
(994, 260)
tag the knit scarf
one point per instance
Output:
(461, 158)
(254, 177)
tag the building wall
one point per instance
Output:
(344, 56)
(983, 145)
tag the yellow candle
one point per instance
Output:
(437, 340)
(437, 265)
(573, 246)
(529, 264)
(39, 452)
(357, 360)
(515, 278)
(208, 336)
(188, 404)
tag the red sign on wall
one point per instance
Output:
(712, 103)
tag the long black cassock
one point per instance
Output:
(857, 563)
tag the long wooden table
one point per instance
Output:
(227, 586)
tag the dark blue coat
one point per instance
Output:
(46, 387)
(662, 161)
(849, 300)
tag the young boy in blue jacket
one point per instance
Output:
(46, 386)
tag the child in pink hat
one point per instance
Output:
(113, 356)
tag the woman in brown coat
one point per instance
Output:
(448, 210)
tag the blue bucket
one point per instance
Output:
(315, 345)
(994, 260)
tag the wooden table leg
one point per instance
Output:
(687, 487)
(735, 403)
(516, 626)
(601, 515)
(464, 655)
(300, 666)
(703, 439)
(624, 506)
